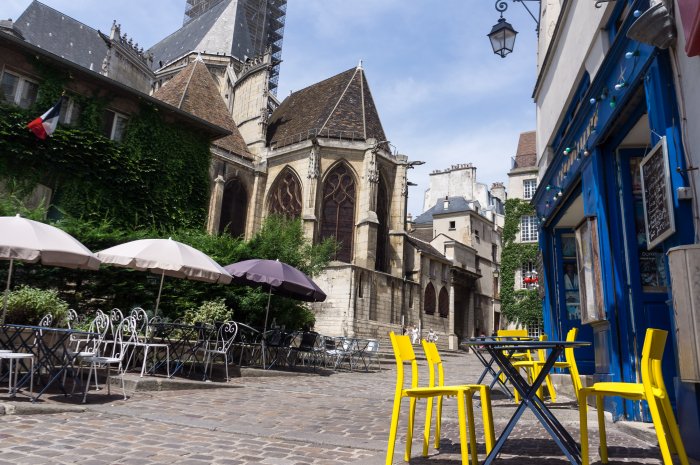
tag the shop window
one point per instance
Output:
(528, 229)
(529, 187)
(18, 90)
(444, 303)
(429, 299)
(114, 125)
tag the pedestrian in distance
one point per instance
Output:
(415, 335)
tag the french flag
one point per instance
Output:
(45, 125)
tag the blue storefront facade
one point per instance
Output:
(611, 202)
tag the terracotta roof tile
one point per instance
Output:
(194, 90)
(338, 107)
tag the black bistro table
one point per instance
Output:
(184, 342)
(500, 351)
(52, 348)
(488, 361)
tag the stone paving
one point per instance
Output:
(341, 418)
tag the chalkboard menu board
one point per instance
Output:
(656, 194)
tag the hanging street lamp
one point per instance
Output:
(502, 35)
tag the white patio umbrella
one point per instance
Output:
(165, 257)
(31, 241)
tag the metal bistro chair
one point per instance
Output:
(143, 341)
(15, 358)
(220, 346)
(403, 352)
(247, 345)
(652, 389)
(303, 347)
(112, 353)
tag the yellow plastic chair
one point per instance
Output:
(518, 356)
(403, 352)
(651, 389)
(435, 366)
(534, 366)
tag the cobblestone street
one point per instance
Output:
(341, 418)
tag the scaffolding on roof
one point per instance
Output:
(265, 25)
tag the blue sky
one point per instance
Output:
(442, 95)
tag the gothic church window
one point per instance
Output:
(429, 299)
(234, 209)
(382, 261)
(338, 210)
(444, 303)
(285, 196)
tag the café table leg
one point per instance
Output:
(530, 400)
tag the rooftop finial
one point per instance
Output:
(359, 65)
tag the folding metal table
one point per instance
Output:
(500, 351)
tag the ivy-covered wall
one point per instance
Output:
(521, 306)
(156, 177)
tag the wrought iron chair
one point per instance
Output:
(143, 341)
(247, 345)
(403, 352)
(303, 347)
(220, 346)
(652, 389)
(371, 353)
(112, 353)
(46, 320)
(15, 359)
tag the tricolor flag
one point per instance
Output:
(45, 125)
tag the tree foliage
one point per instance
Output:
(521, 306)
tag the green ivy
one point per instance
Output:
(156, 177)
(519, 306)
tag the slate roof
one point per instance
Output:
(456, 204)
(338, 107)
(526, 154)
(55, 32)
(194, 90)
(424, 247)
(188, 37)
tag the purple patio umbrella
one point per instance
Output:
(278, 278)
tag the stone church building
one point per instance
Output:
(321, 154)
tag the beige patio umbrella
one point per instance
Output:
(165, 257)
(31, 241)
